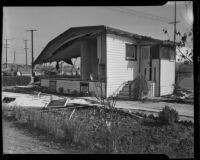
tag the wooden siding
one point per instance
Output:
(167, 77)
(119, 70)
(68, 85)
(45, 82)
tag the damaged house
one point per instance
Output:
(110, 60)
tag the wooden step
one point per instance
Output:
(126, 88)
(123, 97)
(124, 93)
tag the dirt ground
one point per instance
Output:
(20, 140)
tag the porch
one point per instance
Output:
(91, 68)
(75, 86)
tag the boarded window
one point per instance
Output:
(145, 52)
(131, 53)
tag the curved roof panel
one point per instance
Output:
(59, 47)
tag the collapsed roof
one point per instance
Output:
(66, 45)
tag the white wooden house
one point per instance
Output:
(114, 58)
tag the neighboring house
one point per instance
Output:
(184, 76)
(112, 57)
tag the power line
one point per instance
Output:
(147, 15)
(139, 14)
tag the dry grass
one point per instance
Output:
(99, 130)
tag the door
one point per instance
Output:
(145, 62)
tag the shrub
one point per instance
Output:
(140, 88)
(151, 116)
(176, 88)
(16, 80)
(168, 115)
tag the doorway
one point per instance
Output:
(145, 62)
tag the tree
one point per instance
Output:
(184, 40)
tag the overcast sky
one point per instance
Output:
(52, 21)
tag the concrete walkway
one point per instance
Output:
(184, 110)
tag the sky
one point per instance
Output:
(52, 21)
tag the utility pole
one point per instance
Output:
(14, 58)
(26, 52)
(6, 46)
(32, 30)
(174, 23)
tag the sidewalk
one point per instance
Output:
(183, 109)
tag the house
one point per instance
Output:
(110, 60)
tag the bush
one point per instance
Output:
(140, 88)
(168, 115)
(16, 80)
(176, 88)
(151, 116)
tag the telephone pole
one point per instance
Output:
(32, 30)
(26, 52)
(14, 58)
(6, 46)
(174, 22)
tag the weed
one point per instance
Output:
(168, 115)
(140, 88)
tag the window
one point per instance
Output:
(168, 53)
(172, 54)
(164, 53)
(131, 53)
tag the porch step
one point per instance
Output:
(125, 93)
(123, 97)
(126, 88)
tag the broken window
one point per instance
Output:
(131, 53)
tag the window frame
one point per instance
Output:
(135, 54)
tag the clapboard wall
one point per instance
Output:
(119, 70)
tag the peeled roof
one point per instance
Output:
(57, 48)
